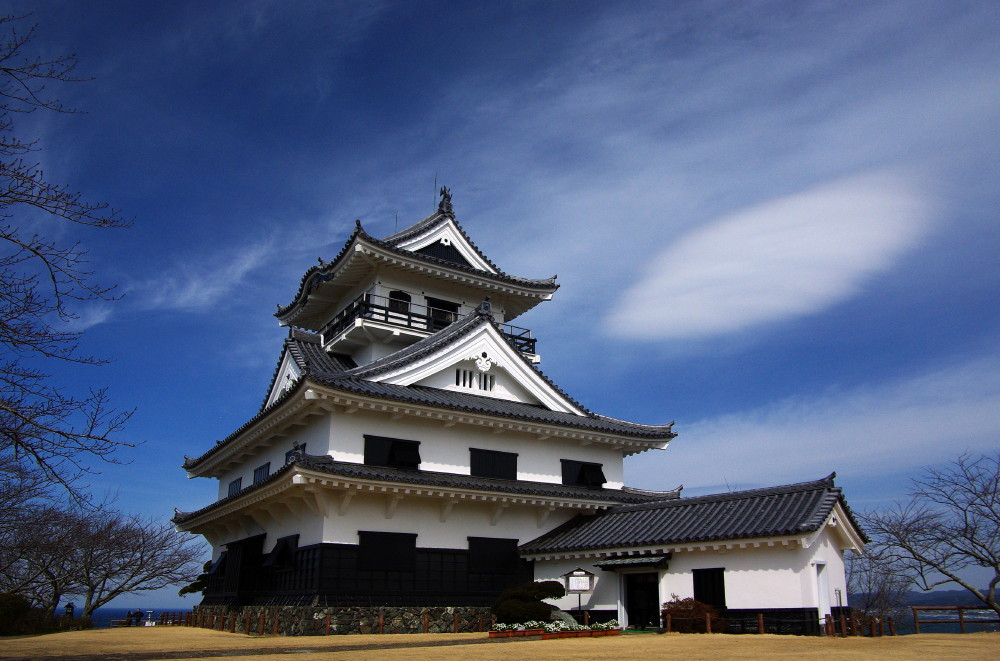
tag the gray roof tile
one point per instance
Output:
(432, 479)
(792, 509)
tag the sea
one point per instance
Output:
(102, 616)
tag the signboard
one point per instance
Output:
(579, 580)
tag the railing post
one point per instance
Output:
(760, 623)
(892, 626)
(381, 622)
(708, 623)
(426, 626)
(961, 619)
(669, 621)
(456, 621)
(843, 625)
(828, 625)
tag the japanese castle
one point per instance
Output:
(409, 454)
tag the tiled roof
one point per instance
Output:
(792, 509)
(431, 479)
(323, 271)
(322, 368)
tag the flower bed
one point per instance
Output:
(550, 630)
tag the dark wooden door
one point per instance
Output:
(642, 600)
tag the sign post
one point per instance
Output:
(579, 581)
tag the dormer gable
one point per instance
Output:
(473, 357)
(444, 240)
(285, 378)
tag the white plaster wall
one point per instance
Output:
(422, 516)
(316, 434)
(772, 577)
(446, 449)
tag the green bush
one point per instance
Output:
(524, 602)
(688, 616)
(14, 610)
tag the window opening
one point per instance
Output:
(235, 486)
(387, 551)
(399, 302)
(392, 452)
(710, 586)
(261, 472)
(441, 313)
(582, 473)
(475, 380)
(493, 463)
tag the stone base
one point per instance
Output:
(324, 620)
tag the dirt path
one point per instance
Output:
(184, 643)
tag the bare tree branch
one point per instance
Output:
(41, 423)
(951, 524)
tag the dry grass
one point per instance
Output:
(148, 644)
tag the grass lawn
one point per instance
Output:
(148, 644)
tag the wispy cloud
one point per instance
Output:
(783, 259)
(866, 432)
(202, 282)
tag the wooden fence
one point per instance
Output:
(961, 621)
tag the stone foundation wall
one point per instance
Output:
(323, 620)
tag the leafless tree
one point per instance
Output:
(877, 584)
(128, 554)
(951, 524)
(96, 554)
(41, 280)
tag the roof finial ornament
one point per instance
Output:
(484, 308)
(444, 206)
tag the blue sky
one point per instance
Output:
(773, 222)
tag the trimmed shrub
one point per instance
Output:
(524, 602)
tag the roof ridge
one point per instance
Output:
(811, 485)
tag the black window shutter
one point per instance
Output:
(492, 554)
(387, 551)
(710, 586)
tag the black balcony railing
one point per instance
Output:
(418, 317)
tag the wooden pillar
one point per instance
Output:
(586, 618)
(760, 623)
(961, 620)
(493, 621)
(260, 626)
(669, 618)
(916, 620)
(277, 617)
(246, 629)
(855, 625)
(480, 625)
(881, 627)
(327, 625)
(708, 623)
(232, 623)
(381, 622)
(426, 624)
(456, 620)
(828, 625)
(843, 625)
(892, 626)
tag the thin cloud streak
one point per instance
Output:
(863, 433)
(781, 260)
(192, 288)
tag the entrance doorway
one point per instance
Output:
(642, 600)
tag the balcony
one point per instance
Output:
(417, 317)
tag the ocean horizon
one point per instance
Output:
(102, 616)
